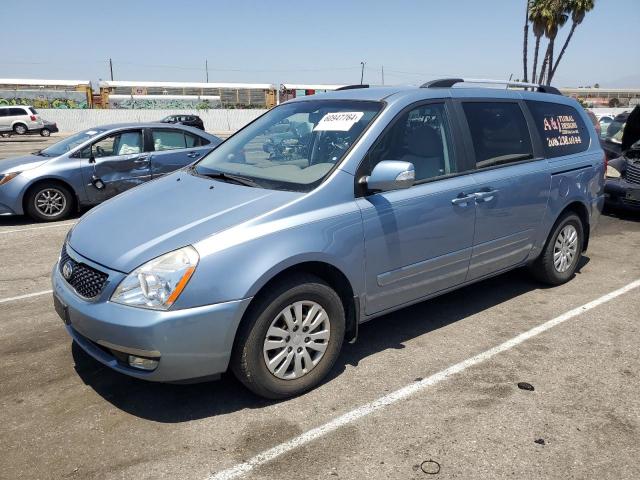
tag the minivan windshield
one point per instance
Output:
(293, 146)
(69, 143)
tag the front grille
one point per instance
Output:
(632, 173)
(85, 280)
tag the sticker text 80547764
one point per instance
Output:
(338, 121)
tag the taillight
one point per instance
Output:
(33, 118)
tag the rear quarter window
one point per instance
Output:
(17, 111)
(561, 128)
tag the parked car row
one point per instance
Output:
(21, 120)
(24, 120)
(265, 254)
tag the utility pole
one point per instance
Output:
(382, 72)
(206, 67)
(111, 69)
(362, 73)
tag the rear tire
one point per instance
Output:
(45, 132)
(20, 129)
(49, 202)
(559, 259)
(276, 355)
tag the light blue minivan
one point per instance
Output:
(326, 212)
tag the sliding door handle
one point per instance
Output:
(485, 196)
(463, 200)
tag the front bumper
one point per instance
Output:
(189, 343)
(621, 193)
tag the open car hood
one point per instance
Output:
(631, 132)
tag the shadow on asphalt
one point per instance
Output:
(169, 403)
(623, 214)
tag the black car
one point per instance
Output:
(189, 120)
(622, 188)
(611, 139)
(48, 128)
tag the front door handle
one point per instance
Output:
(142, 159)
(193, 154)
(485, 196)
(462, 200)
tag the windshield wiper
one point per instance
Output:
(226, 177)
(40, 153)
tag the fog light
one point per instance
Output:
(142, 363)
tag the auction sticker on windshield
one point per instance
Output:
(338, 121)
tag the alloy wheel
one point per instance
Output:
(50, 202)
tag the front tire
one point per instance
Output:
(49, 202)
(558, 261)
(290, 338)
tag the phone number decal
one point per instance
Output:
(564, 140)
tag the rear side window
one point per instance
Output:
(499, 133)
(195, 141)
(168, 140)
(561, 128)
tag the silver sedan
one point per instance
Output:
(95, 165)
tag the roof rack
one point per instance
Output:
(351, 87)
(450, 82)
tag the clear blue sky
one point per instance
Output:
(304, 41)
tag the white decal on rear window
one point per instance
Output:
(563, 130)
(90, 132)
(338, 121)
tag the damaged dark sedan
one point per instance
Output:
(622, 188)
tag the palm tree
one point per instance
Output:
(525, 43)
(578, 9)
(537, 10)
(556, 17)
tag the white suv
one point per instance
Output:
(19, 119)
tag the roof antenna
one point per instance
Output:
(507, 85)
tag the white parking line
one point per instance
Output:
(22, 297)
(409, 390)
(37, 228)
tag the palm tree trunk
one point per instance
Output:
(543, 69)
(564, 47)
(525, 43)
(552, 43)
(535, 59)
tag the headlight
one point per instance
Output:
(158, 283)
(612, 172)
(7, 177)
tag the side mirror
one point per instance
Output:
(390, 175)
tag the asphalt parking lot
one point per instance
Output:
(424, 383)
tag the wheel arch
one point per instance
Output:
(580, 209)
(329, 273)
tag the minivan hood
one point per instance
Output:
(631, 133)
(166, 214)
(20, 164)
